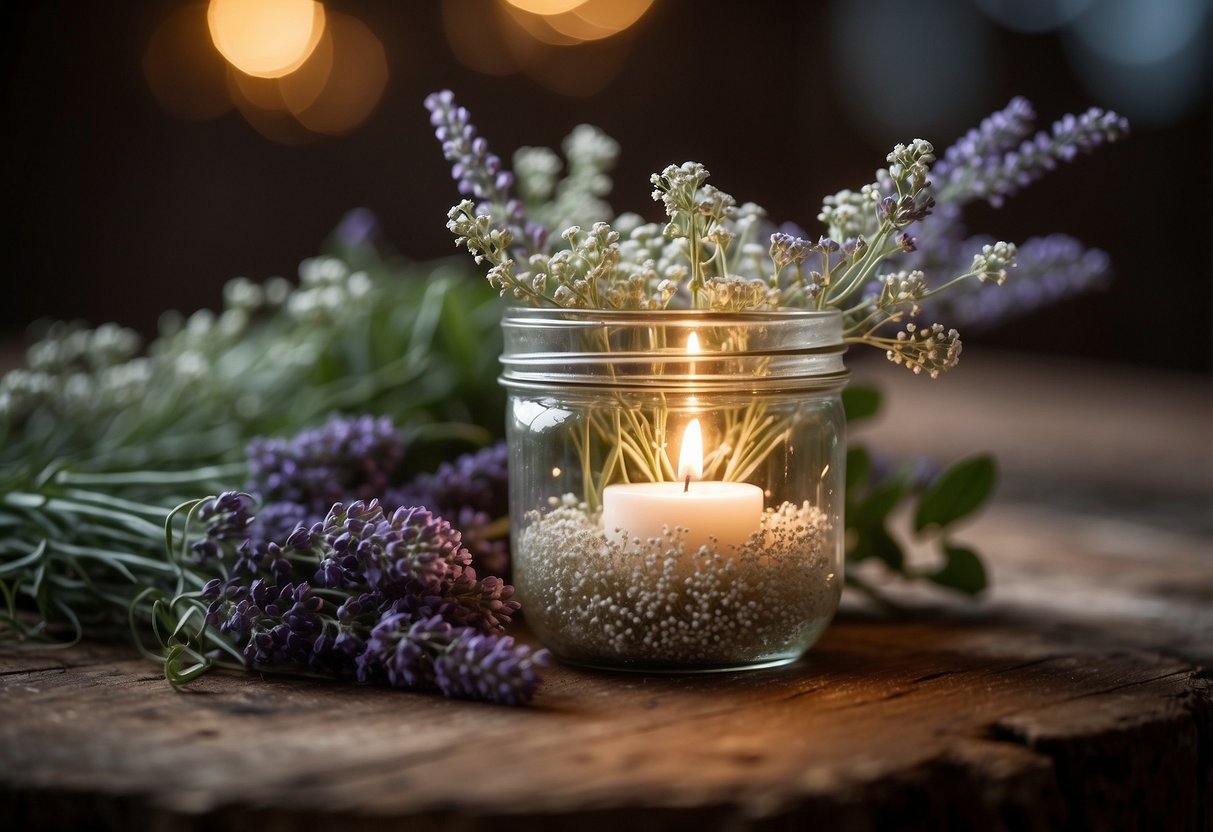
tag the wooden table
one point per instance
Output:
(1070, 697)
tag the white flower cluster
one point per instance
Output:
(928, 349)
(328, 289)
(251, 298)
(992, 263)
(67, 347)
(734, 293)
(66, 377)
(851, 214)
(578, 198)
(711, 254)
(902, 291)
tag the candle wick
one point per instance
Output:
(687, 487)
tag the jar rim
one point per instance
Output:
(779, 349)
(664, 316)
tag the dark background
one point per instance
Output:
(116, 210)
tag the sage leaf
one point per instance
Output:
(961, 571)
(859, 466)
(859, 402)
(958, 491)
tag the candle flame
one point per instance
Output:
(693, 344)
(690, 458)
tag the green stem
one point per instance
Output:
(153, 478)
(858, 272)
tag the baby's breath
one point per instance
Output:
(711, 253)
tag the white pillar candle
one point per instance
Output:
(728, 511)
(725, 512)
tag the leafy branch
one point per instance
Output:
(940, 501)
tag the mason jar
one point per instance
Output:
(676, 483)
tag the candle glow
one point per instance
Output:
(721, 515)
(690, 458)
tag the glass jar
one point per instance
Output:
(676, 483)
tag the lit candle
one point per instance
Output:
(728, 512)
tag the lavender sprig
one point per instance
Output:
(474, 666)
(908, 216)
(478, 172)
(228, 518)
(394, 598)
(409, 552)
(357, 458)
(347, 458)
(1048, 269)
(987, 164)
(459, 661)
(472, 491)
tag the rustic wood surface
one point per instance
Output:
(1071, 697)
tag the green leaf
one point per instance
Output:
(957, 492)
(860, 402)
(877, 504)
(859, 466)
(866, 520)
(878, 543)
(962, 571)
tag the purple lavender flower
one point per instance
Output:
(286, 629)
(459, 661)
(484, 604)
(261, 559)
(478, 480)
(228, 518)
(409, 552)
(414, 556)
(1047, 270)
(272, 625)
(490, 668)
(349, 457)
(276, 521)
(992, 162)
(987, 163)
(357, 228)
(473, 493)
(478, 173)
(400, 650)
(399, 588)
(229, 608)
(997, 133)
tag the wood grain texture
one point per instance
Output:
(1072, 697)
(934, 721)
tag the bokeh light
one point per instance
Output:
(589, 21)
(1033, 15)
(536, 26)
(331, 91)
(184, 71)
(1140, 33)
(354, 85)
(266, 38)
(1164, 90)
(545, 6)
(597, 19)
(262, 93)
(277, 125)
(303, 87)
(482, 40)
(948, 85)
(577, 71)
(565, 47)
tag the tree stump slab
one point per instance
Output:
(1072, 697)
